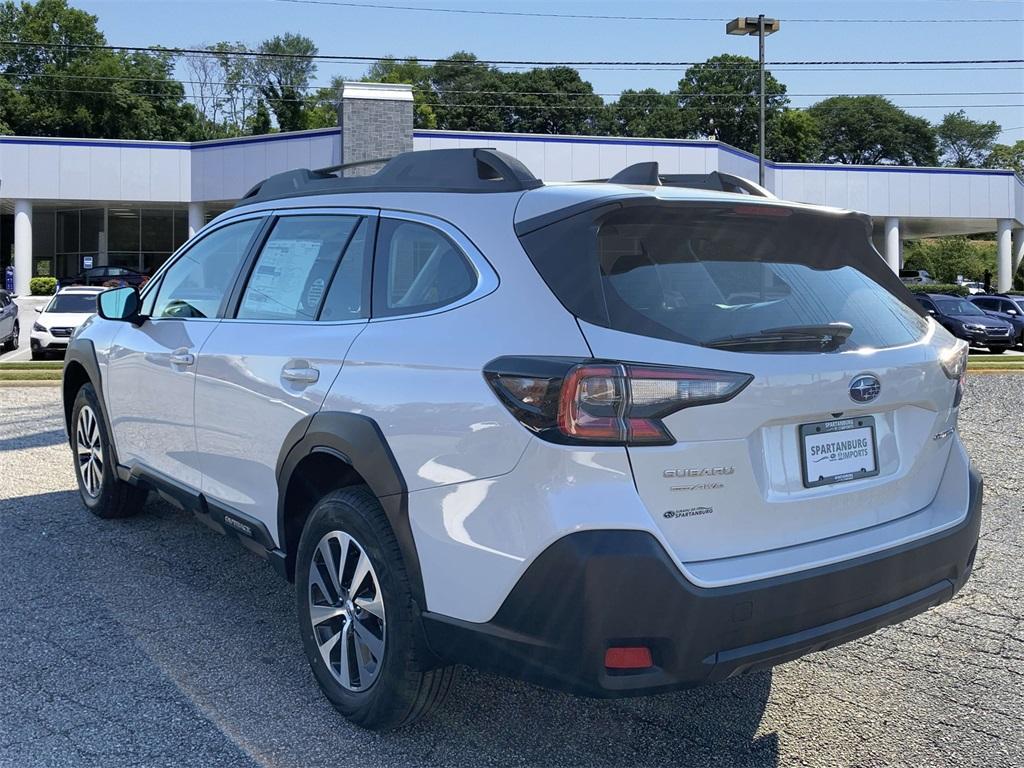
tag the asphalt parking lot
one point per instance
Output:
(153, 641)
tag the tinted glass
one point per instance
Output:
(953, 306)
(417, 269)
(295, 267)
(349, 297)
(700, 273)
(196, 284)
(76, 303)
(985, 303)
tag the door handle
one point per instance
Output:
(182, 358)
(301, 375)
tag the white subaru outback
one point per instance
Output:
(613, 438)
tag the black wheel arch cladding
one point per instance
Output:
(358, 441)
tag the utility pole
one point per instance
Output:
(762, 27)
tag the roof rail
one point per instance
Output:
(434, 170)
(648, 174)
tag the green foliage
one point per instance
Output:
(647, 113)
(1007, 156)
(84, 92)
(950, 257)
(951, 288)
(285, 75)
(872, 130)
(259, 124)
(963, 142)
(411, 72)
(794, 136)
(720, 99)
(42, 286)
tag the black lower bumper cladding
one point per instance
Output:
(596, 589)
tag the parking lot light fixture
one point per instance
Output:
(762, 27)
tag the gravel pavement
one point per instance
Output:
(153, 641)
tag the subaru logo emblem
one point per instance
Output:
(865, 388)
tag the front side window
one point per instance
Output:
(725, 275)
(417, 269)
(196, 285)
(296, 267)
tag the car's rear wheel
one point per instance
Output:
(102, 492)
(11, 343)
(359, 622)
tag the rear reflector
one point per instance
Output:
(628, 658)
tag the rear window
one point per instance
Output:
(699, 273)
(73, 303)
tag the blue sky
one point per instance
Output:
(375, 32)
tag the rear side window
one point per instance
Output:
(701, 274)
(417, 269)
(196, 285)
(295, 268)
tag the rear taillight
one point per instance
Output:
(574, 401)
(954, 365)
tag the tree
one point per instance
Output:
(259, 123)
(470, 96)
(71, 90)
(410, 71)
(794, 137)
(721, 96)
(947, 258)
(872, 130)
(554, 100)
(284, 70)
(1007, 156)
(647, 113)
(965, 143)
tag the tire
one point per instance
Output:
(997, 350)
(15, 339)
(101, 491)
(391, 681)
(38, 354)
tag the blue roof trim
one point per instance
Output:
(109, 143)
(708, 143)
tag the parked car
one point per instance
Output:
(10, 328)
(104, 275)
(973, 287)
(916, 276)
(966, 321)
(609, 438)
(1009, 309)
(68, 309)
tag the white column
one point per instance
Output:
(892, 243)
(196, 218)
(1017, 248)
(1004, 279)
(22, 246)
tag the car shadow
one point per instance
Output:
(219, 625)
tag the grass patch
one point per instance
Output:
(7, 375)
(36, 365)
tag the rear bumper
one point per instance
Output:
(596, 589)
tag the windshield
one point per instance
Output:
(700, 273)
(957, 307)
(73, 303)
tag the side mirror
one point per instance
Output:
(1011, 312)
(39, 310)
(931, 311)
(120, 304)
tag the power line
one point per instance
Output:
(604, 17)
(551, 63)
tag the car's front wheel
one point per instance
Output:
(102, 492)
(359, 621)
(997, 350)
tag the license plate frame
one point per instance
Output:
(836, 427)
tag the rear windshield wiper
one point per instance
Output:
(824, 338)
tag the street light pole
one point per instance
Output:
(760, 124)
(762, 27)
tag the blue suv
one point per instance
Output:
(968, 322)
(1009, 309)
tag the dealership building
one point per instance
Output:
(69, 203)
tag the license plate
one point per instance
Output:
(839, 450)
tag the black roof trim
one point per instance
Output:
(648, 174)
(435, 170)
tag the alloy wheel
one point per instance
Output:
(89, 448)
(346, 609)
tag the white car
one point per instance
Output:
(613, 438)
(57, 321)
(974, 288)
